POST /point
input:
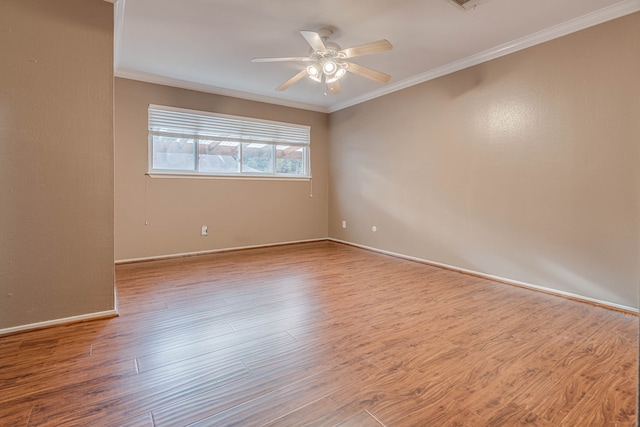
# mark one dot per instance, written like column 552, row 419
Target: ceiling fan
column 329, row 62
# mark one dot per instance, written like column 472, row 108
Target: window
column 200, row 143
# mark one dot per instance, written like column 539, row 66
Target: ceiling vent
column 466, row 4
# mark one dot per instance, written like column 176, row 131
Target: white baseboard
column 606, row 304
column 214, row 251
column 552, row 291
column 56, row 322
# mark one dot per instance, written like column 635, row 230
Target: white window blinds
column 197, row 142
column 168, row 121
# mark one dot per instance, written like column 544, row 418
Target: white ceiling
column 208, row 44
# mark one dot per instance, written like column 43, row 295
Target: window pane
column 290, row 160
column 185, row 141
column 173, row 153
column 257, row 158
column 219, row 157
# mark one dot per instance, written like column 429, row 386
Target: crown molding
column 603, row 15
column 183, row 84
column 618, row 10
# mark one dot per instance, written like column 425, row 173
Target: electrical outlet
column 344, row 224
column 204, row 231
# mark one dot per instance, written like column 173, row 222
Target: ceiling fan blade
column 292, row 80
column 290, row 59
column 368, row 73
column 314, row 40
column 366, row 49
column 334, row 88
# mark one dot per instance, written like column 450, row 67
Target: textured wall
column 526, row 167
column 238, row 212
column 56, row 159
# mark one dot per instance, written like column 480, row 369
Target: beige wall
column 56, row 160
column 238, row 212
column 526, row 167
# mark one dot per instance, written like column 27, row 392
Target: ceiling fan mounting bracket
column 325, row 32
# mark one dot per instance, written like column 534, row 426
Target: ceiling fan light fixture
column 314, row 72
column 337, row 75
column 329, row 67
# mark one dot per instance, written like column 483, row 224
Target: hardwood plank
column 129, row 345
column 574, row 376
column 128, row 397
column 323, row 334
column 217, row 349
column 46, row 379
column 268, row 372
column 363, row 419
column 322, row 412
column 611, row 402
column 144, row 420
column 218, row 400
column 274, row 405
column 16, row 414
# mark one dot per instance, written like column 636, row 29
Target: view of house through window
column 193, row 142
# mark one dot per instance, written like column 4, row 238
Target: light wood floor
column 323, row 334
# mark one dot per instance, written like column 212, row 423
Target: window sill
column 240, row 177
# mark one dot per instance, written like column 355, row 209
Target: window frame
column 192, row 133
